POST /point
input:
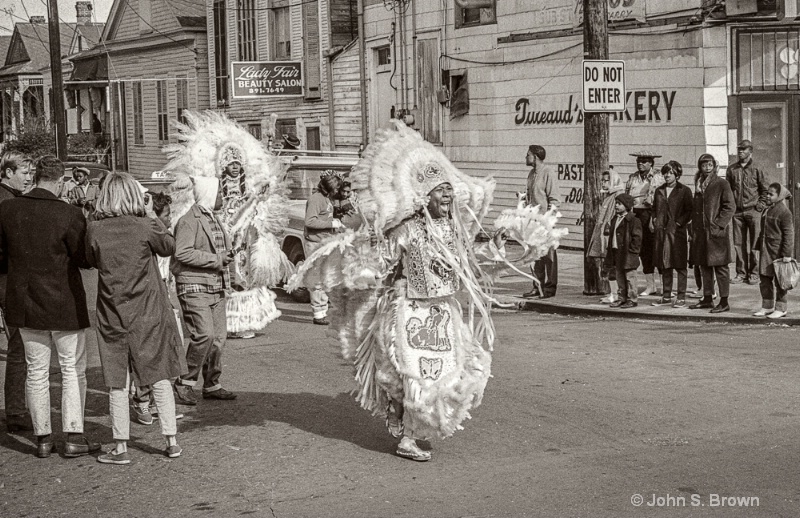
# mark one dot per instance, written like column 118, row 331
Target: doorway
column 772, row 124
column 382, row 96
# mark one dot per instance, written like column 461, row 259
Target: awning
column 91, row 69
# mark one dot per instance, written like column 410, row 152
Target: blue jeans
column 746, row 227
column 204, row 315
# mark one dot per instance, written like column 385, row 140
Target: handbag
column 787, row 274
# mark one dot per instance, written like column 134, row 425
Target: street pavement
column 744, row 299
column 582, row 415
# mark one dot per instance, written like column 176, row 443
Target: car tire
column 296, row 255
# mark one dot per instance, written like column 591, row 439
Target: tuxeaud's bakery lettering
column 640, row 106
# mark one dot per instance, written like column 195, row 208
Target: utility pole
column 59, row 119
column 595, row 143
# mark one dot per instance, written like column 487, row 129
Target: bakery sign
column 251, row 79
column 618, row 11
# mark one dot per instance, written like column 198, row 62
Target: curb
column 693, row 316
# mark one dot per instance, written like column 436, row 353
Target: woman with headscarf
column 610, row 185
column 712, row 213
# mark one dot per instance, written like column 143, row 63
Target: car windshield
column 302, row 183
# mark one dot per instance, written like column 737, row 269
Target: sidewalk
column 744, row 299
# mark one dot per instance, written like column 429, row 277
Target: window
column 285, row 127
column 138, row 125
column 459, row 98
column 313, row 139
column 246, row 27
column 766, row 60
column 144, row 14
column 221, row 53
column 182, row 95
column 254, row 128
column 162, row 111
column 281, row 31
column 384, row 55
column 472, row 17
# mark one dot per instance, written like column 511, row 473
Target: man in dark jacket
column 624, row 246
column 750, row 195
column 43, row 240
column 712, row 212
column 16, row 177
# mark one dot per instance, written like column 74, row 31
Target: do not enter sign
column 603, row 86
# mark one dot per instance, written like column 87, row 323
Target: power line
column 159, row 32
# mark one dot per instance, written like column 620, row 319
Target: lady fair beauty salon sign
column 266, row 79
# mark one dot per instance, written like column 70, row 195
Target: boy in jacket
column 624, row 246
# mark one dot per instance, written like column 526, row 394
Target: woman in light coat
column 138, row 335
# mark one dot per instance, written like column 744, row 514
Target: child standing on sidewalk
column 775, row 242
column 624, row 245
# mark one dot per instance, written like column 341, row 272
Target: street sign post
column 603, row 86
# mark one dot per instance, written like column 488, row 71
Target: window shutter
column 311, row 49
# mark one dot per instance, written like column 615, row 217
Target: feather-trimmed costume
column 395, row 310
column 254, row 209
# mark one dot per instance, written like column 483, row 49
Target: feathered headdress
column 208, row 142
column 398, row 170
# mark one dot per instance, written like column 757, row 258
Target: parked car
column 304, row 170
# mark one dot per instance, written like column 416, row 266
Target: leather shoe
column 19, row 423
column 719, row 308
column 44, row 449
column 530, row 294
column 617, row 303
column 77, row 449
column 702, row 305
column 628, row 304
column 184, row 394
column 321, row 321
column 222, row 394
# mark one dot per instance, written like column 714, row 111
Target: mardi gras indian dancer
column 254, row 208
column 420, row 362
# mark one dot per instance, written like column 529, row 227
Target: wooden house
column 157, row 66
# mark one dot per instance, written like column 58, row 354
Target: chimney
column 37, row 19
column 83, row 12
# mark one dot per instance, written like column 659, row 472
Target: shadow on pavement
column 337, row 417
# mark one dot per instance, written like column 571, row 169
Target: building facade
column 318, row 36
column 157, row 66
column 487, row 82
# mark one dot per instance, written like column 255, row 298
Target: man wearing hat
column 750, row 194
column 542, row 190
column 642, row 186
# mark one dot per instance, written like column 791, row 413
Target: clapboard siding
column 129, row 25
column 167, row 62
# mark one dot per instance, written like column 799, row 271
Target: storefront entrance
column 772, row 124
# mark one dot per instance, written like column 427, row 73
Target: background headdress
column 229, row 153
